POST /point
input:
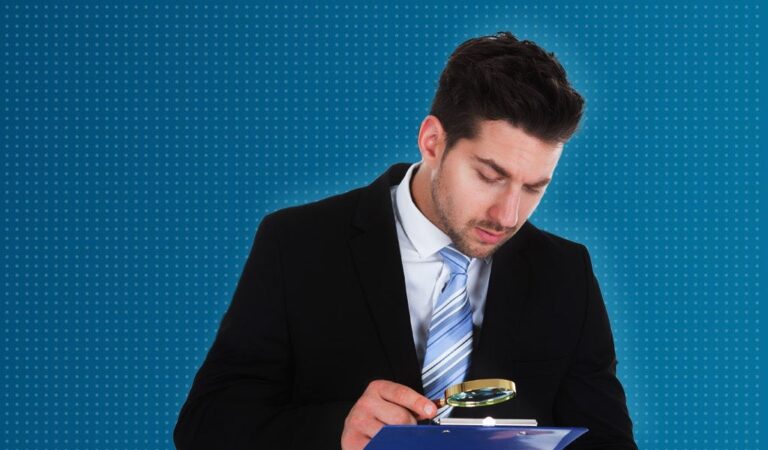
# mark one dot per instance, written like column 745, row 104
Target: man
column 356, row 311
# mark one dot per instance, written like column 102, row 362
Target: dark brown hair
column 500, row 77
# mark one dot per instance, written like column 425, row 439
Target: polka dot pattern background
column 142, row 144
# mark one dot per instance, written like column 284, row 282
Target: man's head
column 500, row 117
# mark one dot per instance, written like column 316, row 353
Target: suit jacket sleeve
column 242, row 397
column 591, row 395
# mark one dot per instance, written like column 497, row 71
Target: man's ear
column 431, row 140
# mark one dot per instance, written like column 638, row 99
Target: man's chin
column 481, row 250
column 470, row 243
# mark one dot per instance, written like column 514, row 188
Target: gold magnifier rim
column 486, row 383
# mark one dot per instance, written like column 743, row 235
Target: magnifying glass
column 474, row 393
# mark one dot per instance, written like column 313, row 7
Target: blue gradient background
column 142, row 144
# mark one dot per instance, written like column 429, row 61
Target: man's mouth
column 488, row 237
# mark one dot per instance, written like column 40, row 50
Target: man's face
column 483, row 190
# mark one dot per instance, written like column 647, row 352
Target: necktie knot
column 457, row 261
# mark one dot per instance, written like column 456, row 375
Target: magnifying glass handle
column 439, row 402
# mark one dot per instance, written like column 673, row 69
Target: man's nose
column 506, row 211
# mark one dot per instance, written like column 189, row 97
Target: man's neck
column 420, row 193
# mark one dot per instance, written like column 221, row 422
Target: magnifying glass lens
column 486, row 396
column 480, row 393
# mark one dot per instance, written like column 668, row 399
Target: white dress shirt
column 425, row 271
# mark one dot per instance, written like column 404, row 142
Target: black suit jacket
column 321, row 310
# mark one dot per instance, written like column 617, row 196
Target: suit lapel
column 377, row 259
column 505, row 306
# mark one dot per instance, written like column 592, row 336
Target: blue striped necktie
column 449, row 345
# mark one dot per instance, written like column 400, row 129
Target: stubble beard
column 459, row 237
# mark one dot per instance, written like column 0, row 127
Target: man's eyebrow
column 492, row 164
column 500, row 170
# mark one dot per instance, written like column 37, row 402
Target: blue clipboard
column 462, row 437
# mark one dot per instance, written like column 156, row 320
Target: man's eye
column 487, row 179
column 532, row 190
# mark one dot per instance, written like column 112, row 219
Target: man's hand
column 383, row 403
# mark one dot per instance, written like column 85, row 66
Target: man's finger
column 365, row 424
column 406, row 397
column 393, row 414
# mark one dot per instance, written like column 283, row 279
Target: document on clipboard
column 487, row 422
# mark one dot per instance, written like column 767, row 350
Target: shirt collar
column 424, row 236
